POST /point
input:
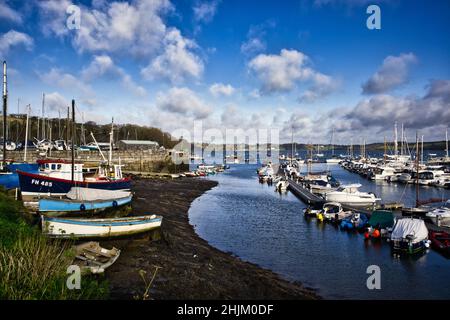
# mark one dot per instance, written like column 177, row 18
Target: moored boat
column 440, row 216
column 357, row 221
column 410, row 235
column 350, row 195
column 380, row 224
column 441, row 242
column 98, row 228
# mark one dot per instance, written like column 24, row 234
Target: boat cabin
column 60, row 169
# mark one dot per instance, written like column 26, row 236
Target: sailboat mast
column 5, row 107
column 332, row 141
column 72, row 147
column 417, row 170
column 401, row 142
column 385, row 147
column 292, row 144
column 111, row 142
column 395, row 140
column 446, row 143
column 43, row 116
column 26, row 134
column 421, row 152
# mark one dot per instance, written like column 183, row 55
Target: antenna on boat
column 5, row 107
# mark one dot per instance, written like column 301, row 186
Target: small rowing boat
column 92, row 258
column 98, row 228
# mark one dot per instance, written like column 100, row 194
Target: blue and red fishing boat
column 55, row 179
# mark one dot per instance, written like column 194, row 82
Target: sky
column 307, row 68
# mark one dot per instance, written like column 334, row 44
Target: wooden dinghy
column 98, row 228
column 92, row 258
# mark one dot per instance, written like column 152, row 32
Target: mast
column 292, row 144
column 395, row 140
column 72, row 148
column 384, row 157
column 421, row 152
column 401, row 142
column 26, row 134
column 43, row 116
column 417, row 170
column 67, row 131
column 5, row 108
column 332, row 145
column 17, row 122
column 111, row 136
column 446, row 143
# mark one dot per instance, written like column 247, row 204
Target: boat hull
column 62, row 206
column 35, row 186
column 98, row 228
column 10, row 179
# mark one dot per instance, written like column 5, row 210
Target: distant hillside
column 433, row 145
column 58, row 128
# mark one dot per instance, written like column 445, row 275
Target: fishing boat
column 55, row 179
column 82, row 200
column 98, row 228
column 92, row 258
column 410, row 235
column 440, row 216
column 8, row 176
column 380, row 224
column 441, row 242
column 350, row 195
column 357, row 221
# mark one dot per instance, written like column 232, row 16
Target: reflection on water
column 259, row 225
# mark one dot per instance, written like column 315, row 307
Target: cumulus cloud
column 103, row 65
column 393, row 72
column 183, row 101
column 177, row 62
column 281, row 73
column 8, row 13
column 220, row 89
column 55, row 101
column 430, row 110
column 255, row 42
column 14, row 38
column 205, row 11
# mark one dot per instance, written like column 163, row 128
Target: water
column 255, row 223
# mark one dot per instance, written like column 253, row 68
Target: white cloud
column 220, row 89
column 281, row 73
column 14, row 38
column 255, row 42
column 183, row 101
column 103, row 65
column 55, row 102
column 176, row 62
column 392, row 73
column 8, row 13
column 205, row 11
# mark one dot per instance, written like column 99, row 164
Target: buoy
column 376, row 233
column 366, row 235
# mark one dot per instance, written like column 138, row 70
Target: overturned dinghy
column 83, row 199
column 98, row 228
column 409, row 236
column 92, row 258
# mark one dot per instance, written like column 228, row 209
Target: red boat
column 441, row 242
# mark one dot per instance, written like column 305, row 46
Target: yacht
column 382, row 173
column 440, row 216
column 350, row 195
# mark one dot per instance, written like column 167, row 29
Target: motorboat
column 410, row 235
column 350, row 195
column 382, row 173
column 440, row 241
column 440, row 216
column 357, row 221
column 333, row 211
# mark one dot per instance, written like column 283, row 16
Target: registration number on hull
column 41, row 183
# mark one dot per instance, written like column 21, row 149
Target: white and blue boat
column 98, row 228
column 84, row 200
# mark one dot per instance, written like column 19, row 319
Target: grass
column 34, row 267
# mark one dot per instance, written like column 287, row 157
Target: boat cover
column 406, row 227
column 88, row 194
column 385, row 219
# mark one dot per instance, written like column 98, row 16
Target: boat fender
column 82, row 207
column 114, row 203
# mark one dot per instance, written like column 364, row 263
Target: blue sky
column 306, row 66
